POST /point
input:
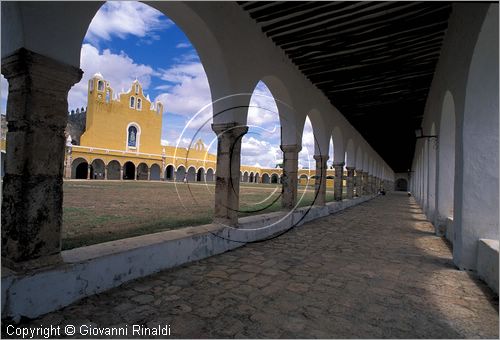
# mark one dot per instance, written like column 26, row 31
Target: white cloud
column 256, row 152
column 263, row 110
column 306, row 155
column 183, row 45
column 4, row 88
column 187, row 89
column 119, row 69
column 123, row 18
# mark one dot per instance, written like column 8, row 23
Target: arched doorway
column 169, row 173
column 155, row 172
column 401, row 184
column 97, row 169
column 129, row 171
column 181, row 173
column 274, row 178
column 266, row 179
column 251, row 178
column 245, row 176
column 210, row 175
column 114, row 170
column 191, row 174
column 200, row 175
column 257, row 177
column 142, row 172
column 79, row 168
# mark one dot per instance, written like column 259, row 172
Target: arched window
column 139, row 104
column 108, row 97
column 100, row 85
column 132, row 136
column 132, row 102
column 91, row 85
column 159, row 108
column 136, row 88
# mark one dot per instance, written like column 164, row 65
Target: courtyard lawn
column 100, row 211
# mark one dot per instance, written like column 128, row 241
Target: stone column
column 339, row 177
column 357, row 183
column 320, row 182
column 227, row 184
column 350, row 182
column 67, row 164
column 163, row 168
column 105, row 172
column 149, row 173
column 289, row 180
column 121, row 173
column 37, row 114
column 364, row 180
column 89, row 167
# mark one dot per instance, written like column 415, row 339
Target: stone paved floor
column 372, row 271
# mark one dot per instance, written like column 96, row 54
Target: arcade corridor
column 373, row 271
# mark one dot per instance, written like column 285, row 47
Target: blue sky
column 129, row 40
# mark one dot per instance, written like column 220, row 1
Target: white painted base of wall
column 93, row 269
column 487, row 262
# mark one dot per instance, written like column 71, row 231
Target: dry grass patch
column 100, row 211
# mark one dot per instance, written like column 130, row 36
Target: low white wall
column 487, row 262
column 93, row 269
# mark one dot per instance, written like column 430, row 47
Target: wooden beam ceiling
column 373, row 60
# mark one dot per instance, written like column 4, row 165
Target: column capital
column 291, row 148
column 233, row 128
column 321, row 158
column 54, row 74
column 350, row 168
column 338, row 164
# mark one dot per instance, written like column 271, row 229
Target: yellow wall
column 107, row 120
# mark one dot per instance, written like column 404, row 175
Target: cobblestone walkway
column 372, row 271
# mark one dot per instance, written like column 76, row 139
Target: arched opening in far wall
column 155, row 172
column 129, row 171
column 200, row 175
column 266, row 179
column 79, row 168
column 97, row 169
column 142, row 172
column 210, row 175
column 401, row 185
column 169, row 173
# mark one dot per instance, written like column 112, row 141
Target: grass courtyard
column 100, row 211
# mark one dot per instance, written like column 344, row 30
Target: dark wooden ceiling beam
column 330, row 7
column 399, row 66
column 315, row 53
column 365, row 23
column 412, row 51
column 376, row 28
column 318, row 16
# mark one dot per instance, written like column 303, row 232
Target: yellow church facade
column 122, row 141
